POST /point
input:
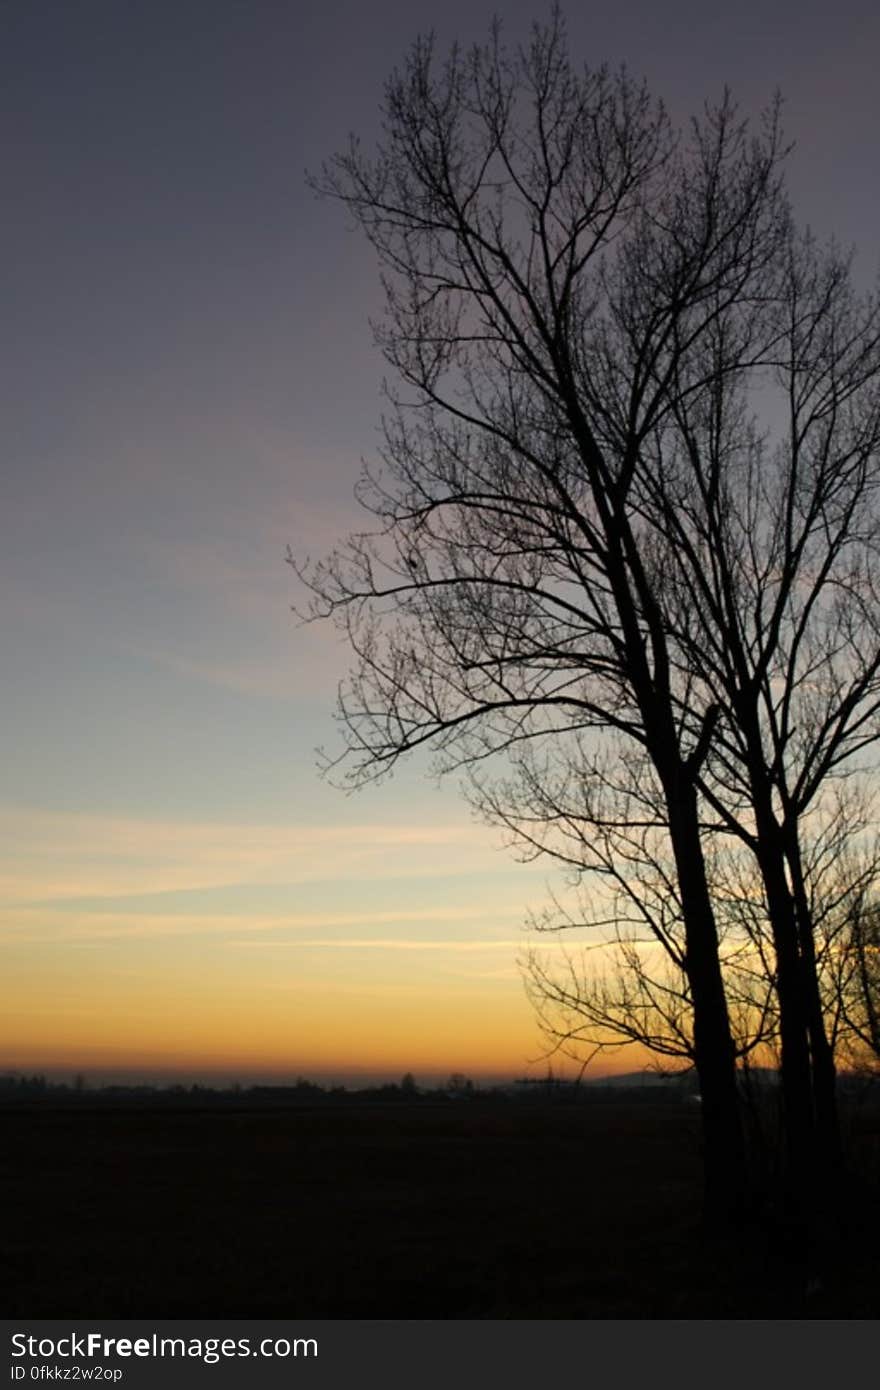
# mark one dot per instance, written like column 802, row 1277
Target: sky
column 188, row 385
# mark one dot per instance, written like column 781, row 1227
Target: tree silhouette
column 772, row 599
column 588, row 583
column 862, row 1011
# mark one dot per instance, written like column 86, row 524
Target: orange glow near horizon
column 151, row 1026
column 200, row 950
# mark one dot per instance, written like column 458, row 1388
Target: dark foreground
column 470, row 1210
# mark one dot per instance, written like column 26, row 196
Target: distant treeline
column 631, row 1088
column 35, row 1089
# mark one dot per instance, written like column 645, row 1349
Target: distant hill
column 627, row 1079
column 616, row 1081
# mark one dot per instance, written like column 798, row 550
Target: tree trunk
column 724, row 1160
column 796, row 1072
column 824, row 1071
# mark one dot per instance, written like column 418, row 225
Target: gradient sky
column 188, row 383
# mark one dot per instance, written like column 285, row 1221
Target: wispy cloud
column 384, row 944
column 34, row 924
column 52, row 855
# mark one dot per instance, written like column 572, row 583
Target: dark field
column 471, row 1210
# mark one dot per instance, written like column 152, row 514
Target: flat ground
column 464, row 1210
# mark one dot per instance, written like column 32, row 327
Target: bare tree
column 576, row 549
column 772, row 603
column 861, row 994
column 841, row 872
column 504, row 596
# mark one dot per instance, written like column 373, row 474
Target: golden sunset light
column 440, row 671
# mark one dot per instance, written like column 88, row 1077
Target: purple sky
column 188, row 378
